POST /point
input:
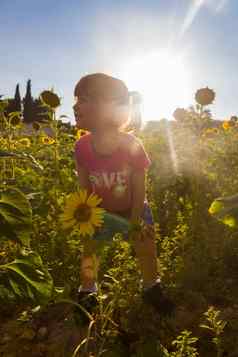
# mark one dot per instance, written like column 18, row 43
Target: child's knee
column 146, row 234
column 89, row 266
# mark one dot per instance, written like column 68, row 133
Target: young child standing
column 113, row 164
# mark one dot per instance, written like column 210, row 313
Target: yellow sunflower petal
column 70, row 207
column 97, row 215
column 82, row 196
column 93, row 200
column 96, row 220
column 74, row 199
column 86, row 228
column 68, row 222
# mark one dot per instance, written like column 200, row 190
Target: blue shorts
column 147, row 215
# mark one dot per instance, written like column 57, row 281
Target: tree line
column 31, row 108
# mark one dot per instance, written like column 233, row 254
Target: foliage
column 226, row 210
column 15, row 215
column 216, row 326
column 184, row 346
column 26, row 278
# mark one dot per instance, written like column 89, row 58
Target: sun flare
column 163, row 81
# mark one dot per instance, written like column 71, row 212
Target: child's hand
column 142, row 232
column 147, row 232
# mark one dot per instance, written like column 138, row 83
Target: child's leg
column 146, row 253
column 88, row 272
column 145, row 249
column 85, row 298
column 89, row 267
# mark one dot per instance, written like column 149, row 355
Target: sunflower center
column 82, row 213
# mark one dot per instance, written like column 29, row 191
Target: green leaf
column 15, row 287
column 5, row 154
column 12, row 214
column 5, row 294
column 15, row 215
column 27, row 276
column 225, row 209
column 215, row 207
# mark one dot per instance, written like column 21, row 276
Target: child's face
column 84, row 113
column 91, row 114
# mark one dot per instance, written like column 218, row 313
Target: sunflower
column 24, row 142
column 179, row 114
column 50, row 98
column 15, row 121
column 80, row 133
column 226, row 125
column 205, row 96
column 47, row 140
column 81, row 212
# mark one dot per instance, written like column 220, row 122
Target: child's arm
column 138, row 194
column 84, row 178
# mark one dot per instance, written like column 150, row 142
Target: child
column 112, row 164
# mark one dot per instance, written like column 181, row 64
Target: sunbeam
column 214, row 5
column 173, row 154
column 191, row 14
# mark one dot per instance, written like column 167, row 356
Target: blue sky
column 54, row 43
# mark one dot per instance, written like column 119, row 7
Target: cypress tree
column 28, row 112
column 17, row 99
column 14, row 104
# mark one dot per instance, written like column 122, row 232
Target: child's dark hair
column 100, row 85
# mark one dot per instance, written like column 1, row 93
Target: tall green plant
column 25, row 277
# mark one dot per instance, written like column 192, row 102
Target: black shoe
column 88, row 301
column 155, row 296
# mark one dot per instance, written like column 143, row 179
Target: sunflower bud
column 47, row 140
column 15, row 121
column 234, row 119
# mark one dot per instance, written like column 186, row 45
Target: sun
column 162, row 79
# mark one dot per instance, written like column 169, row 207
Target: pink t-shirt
column 110, row 175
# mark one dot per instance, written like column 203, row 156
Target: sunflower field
column 192, row 188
